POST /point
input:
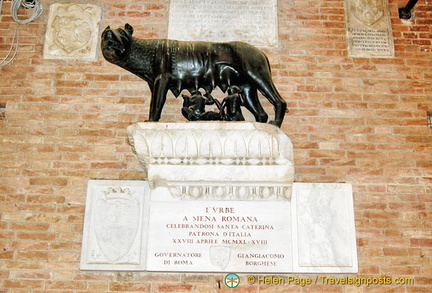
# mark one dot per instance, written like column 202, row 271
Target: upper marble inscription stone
column 254, row 22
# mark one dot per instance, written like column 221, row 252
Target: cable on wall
column 36, row 5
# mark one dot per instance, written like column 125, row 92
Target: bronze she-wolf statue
column 176, row 65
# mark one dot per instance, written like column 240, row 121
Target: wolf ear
column 129, row 28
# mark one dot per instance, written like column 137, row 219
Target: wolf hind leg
column 268, row 89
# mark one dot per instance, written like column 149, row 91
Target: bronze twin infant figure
column 170, row 65
column 229, row 110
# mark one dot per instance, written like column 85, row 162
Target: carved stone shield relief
column 72, row 31
column 367, row 11
column 220, row 256
column 114, row 226
column 117, row 220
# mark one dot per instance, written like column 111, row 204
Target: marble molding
column 242, row 160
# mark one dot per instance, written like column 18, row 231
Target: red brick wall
column 356, row 120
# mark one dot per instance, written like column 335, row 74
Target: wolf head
column 115, row 43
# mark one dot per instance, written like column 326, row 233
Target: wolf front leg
column 159, row 92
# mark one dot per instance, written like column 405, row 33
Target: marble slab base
column 130, row 227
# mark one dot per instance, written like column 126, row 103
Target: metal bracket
column 2, row 111
column 429, row 118
column 405, row 12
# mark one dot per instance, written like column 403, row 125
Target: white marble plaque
column 129, row 227
column 254, row 22
column 219, row 236
column 323, row 228
column 369, row 32
column 72, row 31
column 115, row 225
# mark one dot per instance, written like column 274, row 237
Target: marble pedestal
column 220, row 197
column 216, row 160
